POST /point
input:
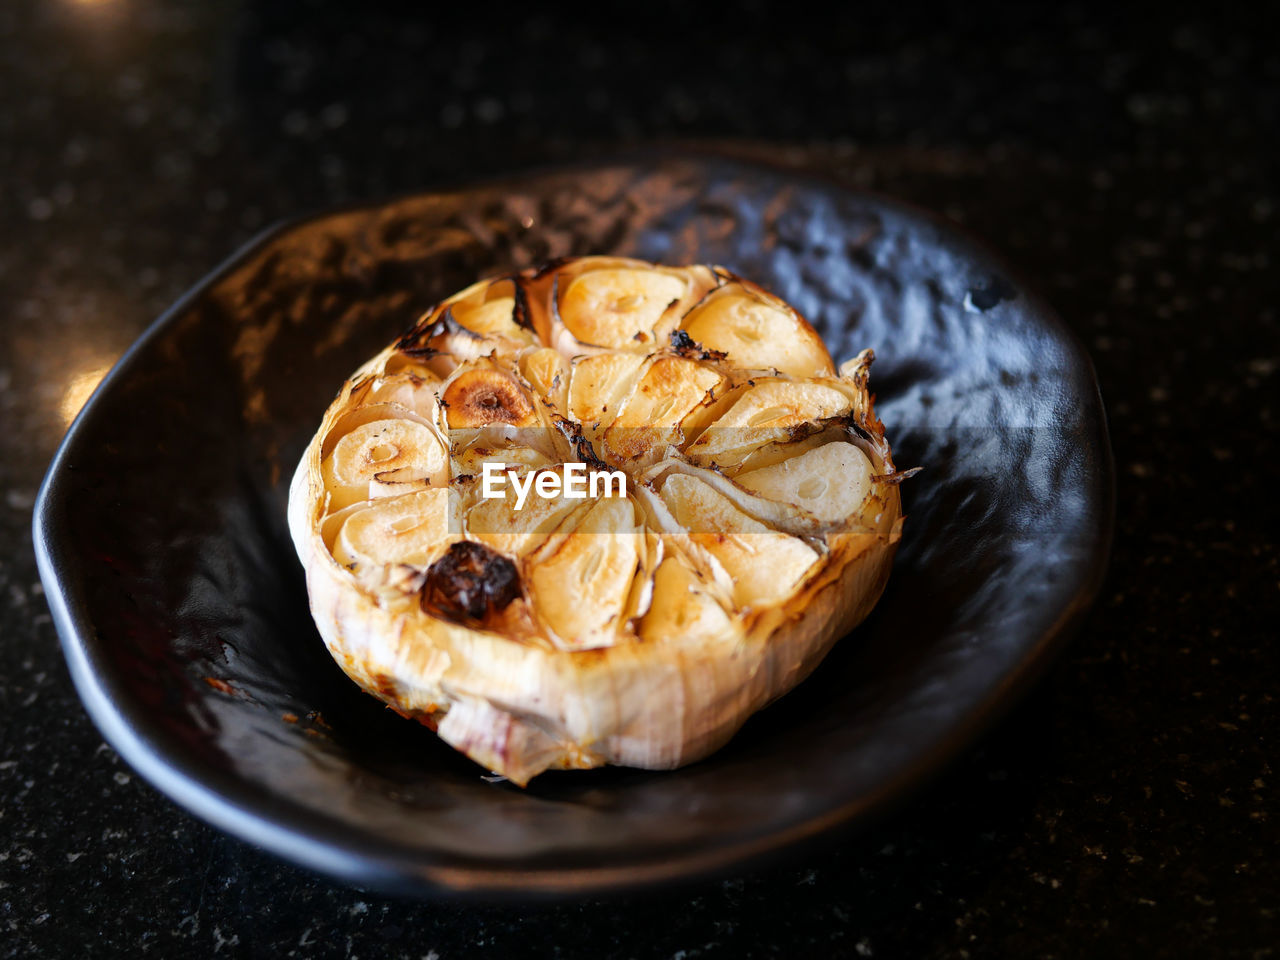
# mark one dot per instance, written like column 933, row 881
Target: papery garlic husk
column 757, row 526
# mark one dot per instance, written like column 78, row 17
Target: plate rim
column 316, row 841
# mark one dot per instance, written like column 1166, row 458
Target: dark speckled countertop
column 1130, row 170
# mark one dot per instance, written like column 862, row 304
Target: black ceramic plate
column 162, row 543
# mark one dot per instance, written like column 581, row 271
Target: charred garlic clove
column 480, row 396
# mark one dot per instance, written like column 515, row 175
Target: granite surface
column 1129, row 169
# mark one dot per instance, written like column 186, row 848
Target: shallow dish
column 160, row 532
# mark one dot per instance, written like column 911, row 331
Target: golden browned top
column 747, row 459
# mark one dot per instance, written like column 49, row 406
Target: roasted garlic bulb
column 596, row 513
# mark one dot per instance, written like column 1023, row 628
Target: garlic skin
column 758, row 525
